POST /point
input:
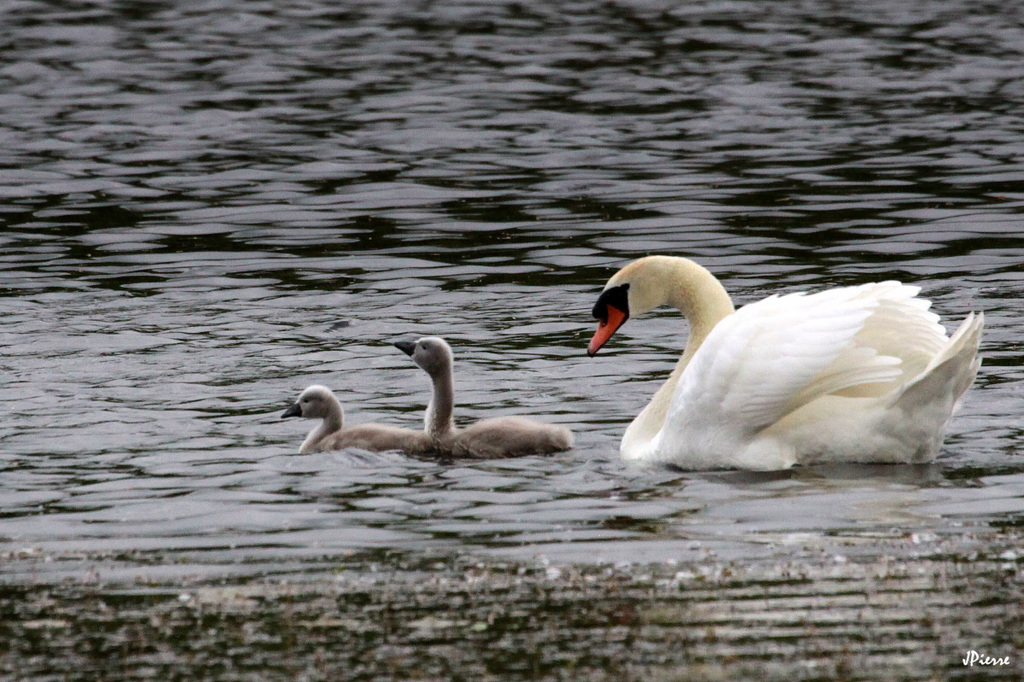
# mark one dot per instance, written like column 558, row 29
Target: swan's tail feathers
column 967, row 336
column 952, row 371
column 967, row 340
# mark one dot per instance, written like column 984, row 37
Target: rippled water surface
column 208, row 206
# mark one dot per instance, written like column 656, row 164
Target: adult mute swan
column 488, row 438
column 853, row 374
column 319, row 402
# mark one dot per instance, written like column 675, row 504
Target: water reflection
column 208, row 207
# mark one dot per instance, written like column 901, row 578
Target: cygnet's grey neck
column 335, row 417
column 332, row 423
column 438, row 420
column 324, row 429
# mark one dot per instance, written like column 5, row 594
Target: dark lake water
column 207, row 206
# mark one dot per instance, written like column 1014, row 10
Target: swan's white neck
column 331, row 423
column 700, row 297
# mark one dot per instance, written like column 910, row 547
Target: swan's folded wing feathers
column 772, row 356
column 904, row 329
column 857, row 372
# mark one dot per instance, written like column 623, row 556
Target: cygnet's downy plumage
column 318, row 402
column 489, row 438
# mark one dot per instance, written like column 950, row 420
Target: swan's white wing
column 901, row 326
column 775, row 355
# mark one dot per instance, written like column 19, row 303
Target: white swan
column 488, row 438
column 319, row 402
column 854, row 374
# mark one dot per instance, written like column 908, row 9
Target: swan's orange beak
column 605, row 328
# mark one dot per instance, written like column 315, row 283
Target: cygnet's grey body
column 318, row 402
column 489, row 438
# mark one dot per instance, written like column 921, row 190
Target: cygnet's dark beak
column 406, row 347
column 293, row 411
